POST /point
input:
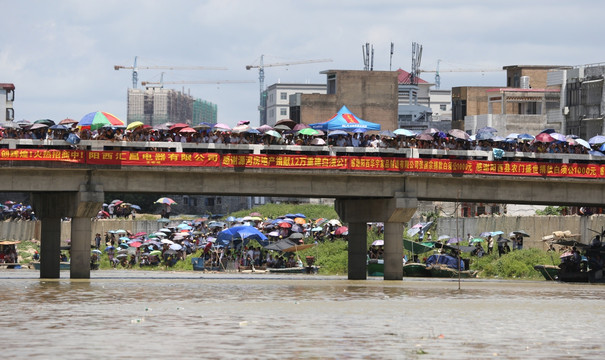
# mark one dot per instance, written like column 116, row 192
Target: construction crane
column 438, row 77
column 196, row 82
column 135, row 69
column 261, row 74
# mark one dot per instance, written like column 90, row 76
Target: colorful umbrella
column 98, row 119
column 165, row 200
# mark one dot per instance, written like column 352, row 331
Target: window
column 185, row 200
column 442, row 107
column 283, row 96
column 283, row 111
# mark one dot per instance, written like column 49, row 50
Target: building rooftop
column 7, row 86
column 403, row 77
column 522, row 90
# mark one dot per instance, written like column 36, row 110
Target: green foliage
column 272, row 211
column 331, row 256
column 516, row 264
column 551, row 210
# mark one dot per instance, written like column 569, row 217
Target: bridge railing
column 100, row 145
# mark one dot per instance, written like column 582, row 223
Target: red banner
column 352, row 163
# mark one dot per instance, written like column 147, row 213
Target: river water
column 189, row 315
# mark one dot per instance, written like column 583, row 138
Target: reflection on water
column 122, row 314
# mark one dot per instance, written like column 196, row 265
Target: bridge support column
column 393, row 212
column 50, row 247
column 358, row 251
column 393, row 250
column 81, row 206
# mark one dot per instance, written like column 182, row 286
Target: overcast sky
column 61, row 54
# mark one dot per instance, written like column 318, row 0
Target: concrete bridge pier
column 393, row 212
column 81, row 206
column 50, row 247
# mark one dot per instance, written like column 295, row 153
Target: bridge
column 369, row 185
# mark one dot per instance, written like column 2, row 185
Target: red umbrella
column 285, row 224
column 545, row 138
column 341, row 230
column 178, row 126
column 135, row 244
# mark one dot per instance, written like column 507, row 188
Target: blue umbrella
column 404, row 132
column 487, row 129
column 525, row 137
column 109, row 248
column 337, row 132
column 484, row 136
column 136, row 207
column 599, row 139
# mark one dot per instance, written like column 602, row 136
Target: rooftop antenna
column 372, row 60
column 416, row 59
column 391, row 57
column 367, row 51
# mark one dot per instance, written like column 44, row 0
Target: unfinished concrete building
column 156, row 105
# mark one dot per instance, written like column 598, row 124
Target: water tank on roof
column 524, row 82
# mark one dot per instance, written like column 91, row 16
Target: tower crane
column 196, row 82
column 135, row 69
column 438, row 77
column 261, row 74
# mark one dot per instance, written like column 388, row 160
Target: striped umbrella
column 98, row 119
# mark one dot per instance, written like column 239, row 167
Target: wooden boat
column 295, row 270
column 443, row 271
column 416, row 270
column 550, row 272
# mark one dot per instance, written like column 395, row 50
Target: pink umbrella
column 298, row 127
column 135, row 244
column 264, row 128
column 544, row 137
column 341, row 230
column 221, row 126
column 187, row 130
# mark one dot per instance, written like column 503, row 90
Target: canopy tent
column 415, row 247
column 345, row 120
column 240, row 233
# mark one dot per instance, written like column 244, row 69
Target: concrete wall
column 536, row 226
column 19, row 230
column 370, row 95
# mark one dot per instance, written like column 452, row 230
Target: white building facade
column 7, row 96
column 278, row 99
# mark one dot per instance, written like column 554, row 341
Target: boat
column 444, row 271
column 582, row 264
column 550, row 272
column 416, row 270
column 375, row 267
column 447, row 266
column 295, row 270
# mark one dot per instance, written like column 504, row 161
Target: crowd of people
column 300, row 134
column 172, row 244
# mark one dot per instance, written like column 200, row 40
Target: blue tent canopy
column 347, row 121
column 241, row 233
